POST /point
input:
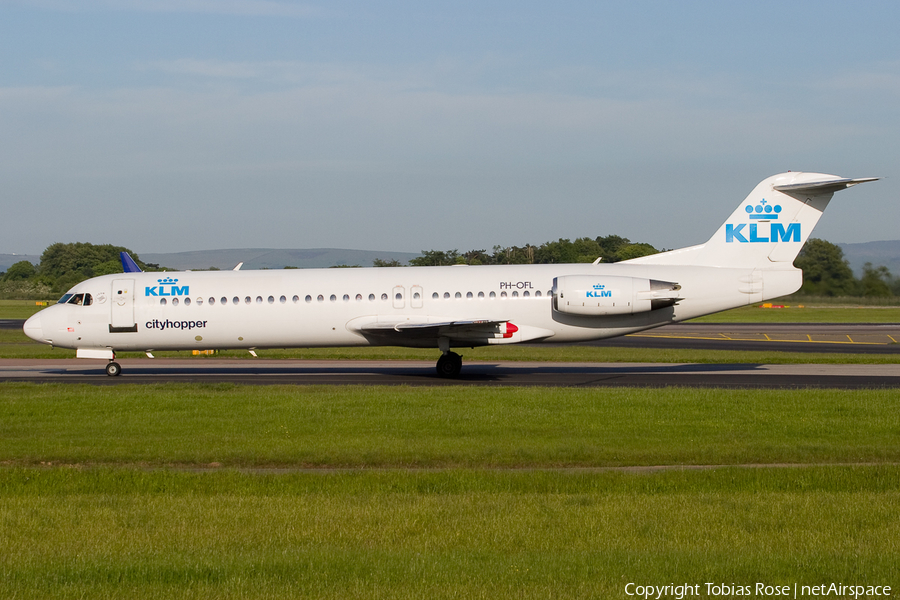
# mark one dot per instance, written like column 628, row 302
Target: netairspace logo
column 167, row 287
column 759, row 590
column 757, row 232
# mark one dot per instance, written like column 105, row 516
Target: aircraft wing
column 426, row 332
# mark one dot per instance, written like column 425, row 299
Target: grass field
column 202, row 491
column 224, row 491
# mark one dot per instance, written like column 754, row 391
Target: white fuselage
column 332, row 307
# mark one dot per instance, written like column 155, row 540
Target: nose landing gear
column 113, row 369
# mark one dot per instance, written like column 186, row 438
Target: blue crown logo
column 763, row 210
column 167, row 281
column 598, row 286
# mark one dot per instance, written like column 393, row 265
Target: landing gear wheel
column 449, row 365
column 113, row 369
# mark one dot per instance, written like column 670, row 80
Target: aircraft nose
column 34, row 329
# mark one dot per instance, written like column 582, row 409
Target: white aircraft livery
column 749, row 259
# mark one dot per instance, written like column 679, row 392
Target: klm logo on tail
column 763, row 213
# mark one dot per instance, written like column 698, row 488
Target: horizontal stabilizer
column 822, row 187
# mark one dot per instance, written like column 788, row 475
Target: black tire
column 449, row 365
column 113, row 369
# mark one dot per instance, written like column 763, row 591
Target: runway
column 422, row 373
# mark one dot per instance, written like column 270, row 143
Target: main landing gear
column 113, row 369
column 449, row 365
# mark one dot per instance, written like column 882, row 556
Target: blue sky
column 174, row 125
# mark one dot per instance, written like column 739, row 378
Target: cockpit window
column 64, row 299
column 79, row 299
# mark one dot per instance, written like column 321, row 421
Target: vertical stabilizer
column 768, row 229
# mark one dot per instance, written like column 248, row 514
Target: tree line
column 825, row 270
column 61, row 267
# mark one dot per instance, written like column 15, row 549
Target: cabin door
column 122, row 306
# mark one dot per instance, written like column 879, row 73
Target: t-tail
column 768, row 229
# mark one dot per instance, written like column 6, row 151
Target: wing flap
column 427, row 332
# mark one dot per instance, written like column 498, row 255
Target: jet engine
column 600, row 295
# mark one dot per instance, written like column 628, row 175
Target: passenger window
column 212, row 301
column 235, row 300
column 416, row 296
column 359, row 297
column 446, row 295
column 333, row 298
column 515, row 294
column 247, row 300
column 384, row 296
column 537, row 294
column 526, row 294
column 435, row 296
column 296, row 299
column 259, row 299
column 162, row 301
column 481, row 294
column 493, row 294
column 398, row 296
column 308, row 298
column 320, row 298
column 346, row 297
column 174, row 301
column 283, row 300
column 457, row 295
column 469, row 295
column 271, row 299
column 187, row 301
column 371, row 297
column 503, row 294
column 199, row 301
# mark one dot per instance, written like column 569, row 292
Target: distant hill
column 886, row 253
column 8, row 260
column 269, row 258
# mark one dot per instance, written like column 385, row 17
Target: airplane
column 749, row 259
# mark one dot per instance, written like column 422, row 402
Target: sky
column 177, row 125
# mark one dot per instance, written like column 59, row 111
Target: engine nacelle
column 599, row 295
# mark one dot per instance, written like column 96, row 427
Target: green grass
column 460, row 534
column 322, row 427
column 202, row 491
column 19, row 309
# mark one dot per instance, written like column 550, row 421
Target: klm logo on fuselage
column 599, row 292
column 167, row 287
column 759, row 232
